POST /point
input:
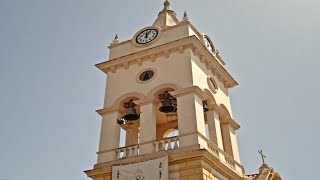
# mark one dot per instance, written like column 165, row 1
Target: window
column 146, row 75
column 212, row 84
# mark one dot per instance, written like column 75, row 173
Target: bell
column 167, row 106
column 131, row 114
column 205, row 106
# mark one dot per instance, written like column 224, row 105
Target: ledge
column 192, row 43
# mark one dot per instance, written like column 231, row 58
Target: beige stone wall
column 169, row 70
column 200, row 73
column 194, row 170
column 169, row 35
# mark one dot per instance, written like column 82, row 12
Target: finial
column 116, row 40
column 262, row 156
column 185, row 16
column 166, row 6
column 166, row 3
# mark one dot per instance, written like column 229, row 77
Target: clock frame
column 146, row 36
column 209, row 45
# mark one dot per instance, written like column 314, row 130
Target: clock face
column 209, row 45
column 147, row 36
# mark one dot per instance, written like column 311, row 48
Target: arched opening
column 129, row 121
column 171, row 133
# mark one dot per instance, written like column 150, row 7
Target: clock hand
column 148, row 32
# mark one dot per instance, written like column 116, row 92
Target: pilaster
column 230, row 141
column 190, row 116
column 214, row 128
column 148, row 125
column 132, row 131
column 109, row 136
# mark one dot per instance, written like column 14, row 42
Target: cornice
column 190, row 90
column 232, row 122
column 105, row 111
column 145, row 101
column 223, row 116
column 192, row 43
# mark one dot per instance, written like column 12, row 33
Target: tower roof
column 167, row 17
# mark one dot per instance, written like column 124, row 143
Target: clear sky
column 50, row 89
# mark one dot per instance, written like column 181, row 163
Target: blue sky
column 50, row 88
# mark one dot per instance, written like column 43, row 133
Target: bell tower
column 167, row 98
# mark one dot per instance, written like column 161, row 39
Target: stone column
column 214, row 128
column 109, row 136
column 148, row 125
column 132, row 130
column 230, row 141
column 191, row 123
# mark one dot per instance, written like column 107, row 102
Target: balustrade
column 223, row 156
column 162, row 145
column 173, row 143
column 166, row 144
column 127, row 152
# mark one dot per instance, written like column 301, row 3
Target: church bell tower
column 167, row 100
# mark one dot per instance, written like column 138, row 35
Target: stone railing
column 127, row 152
column 166, row 144
column 161, row 145
column 223, row 156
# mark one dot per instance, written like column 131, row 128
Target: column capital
column 216, row 108
column 190, row 90
column 145, row 101
column 232, row 122
column 110, row 110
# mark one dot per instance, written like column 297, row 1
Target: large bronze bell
column 167, row 103
column 131, row 114
column 167, row 106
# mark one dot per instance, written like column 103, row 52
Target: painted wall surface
column 200, row 74
column 166, row 36
column 173, row 70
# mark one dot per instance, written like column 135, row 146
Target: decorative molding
column 224, row 117
column 165, row 50
column 106, row 111
column 190, row 90
column 232, row 122
column 145, row 101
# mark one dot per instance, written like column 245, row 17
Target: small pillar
column 109, row 136
column 214, row 128
column 191, row 123
column 132, row 130
column 230, row 141
column 148, row 125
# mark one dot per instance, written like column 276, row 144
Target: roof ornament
column 166, row 3
column 262, row 156
column 185, row 16
column 166, row 6
column 116, row 40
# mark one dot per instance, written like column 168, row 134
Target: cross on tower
column 262, row 156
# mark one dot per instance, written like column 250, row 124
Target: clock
column 146, row 36
column 209, row 45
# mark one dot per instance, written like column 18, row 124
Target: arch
column 127, row 97
column 160, row 89
column 211, row 99
column 226, row 113
column 169, row 131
